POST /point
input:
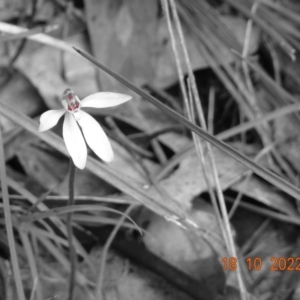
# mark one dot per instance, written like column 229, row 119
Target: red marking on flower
column 73, row 106
column 70, row 97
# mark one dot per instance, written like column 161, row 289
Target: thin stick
column 70, row 231
column 8, row 224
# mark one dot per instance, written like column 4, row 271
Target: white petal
column 104, row 99
column 77, row 115
column 50, row 118
column 96, row 137
column 64, row 104
column 74, row 141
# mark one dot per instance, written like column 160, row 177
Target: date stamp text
column 256, row 263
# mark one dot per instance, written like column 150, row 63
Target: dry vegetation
column 202, row 198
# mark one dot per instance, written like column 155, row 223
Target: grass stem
column 9, row 225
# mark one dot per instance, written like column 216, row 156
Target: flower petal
column 50, row 118
column 74, row 141
column 104, row 99
column 96, row 137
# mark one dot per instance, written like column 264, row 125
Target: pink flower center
column 73, row 103
column 72, row 106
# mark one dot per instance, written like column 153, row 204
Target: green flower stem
column 8, row 224
column 72, row 251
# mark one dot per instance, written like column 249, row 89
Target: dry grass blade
column 64, row 210
column 289, row 109
column 189, row 104
column 78, row 199
column 59, row 241
column 206, row 44
column 259, row 170
column 92, row 220
column 40, row 37
column 35, row 283
column 210, row 19
column 105, row 251
column 31, row 259
column 289, row 14
column 267, row 212
column 114, row 177
column 194, row 95
column 9, row 225
column 58, row 255
column 273, row 33
column 25, row 34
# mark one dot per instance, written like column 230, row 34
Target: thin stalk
column 72, row 251
column 8, row 224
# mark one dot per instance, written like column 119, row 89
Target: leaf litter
column 122, row 37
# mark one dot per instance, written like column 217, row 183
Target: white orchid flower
column 92, row 131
